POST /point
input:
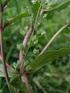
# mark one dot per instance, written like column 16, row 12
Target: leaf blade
column 48, row 56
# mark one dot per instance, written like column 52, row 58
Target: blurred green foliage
column 50, row 72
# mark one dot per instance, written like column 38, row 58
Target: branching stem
column 2, row 46
column 23, row 72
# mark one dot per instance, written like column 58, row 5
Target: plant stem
column 23, row 72
column 36, row 19
column 3, row 5
column 54, row 37
column 2, row 46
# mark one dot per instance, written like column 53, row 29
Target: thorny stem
column 2, row 45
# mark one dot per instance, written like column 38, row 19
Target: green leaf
column 10, row 70
column 18, row 85
column 60, row 6
column 35, row 8
column 1, row 71
column 12, row 89
column 47, row 56
column 57, row 7
column 14, row 19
